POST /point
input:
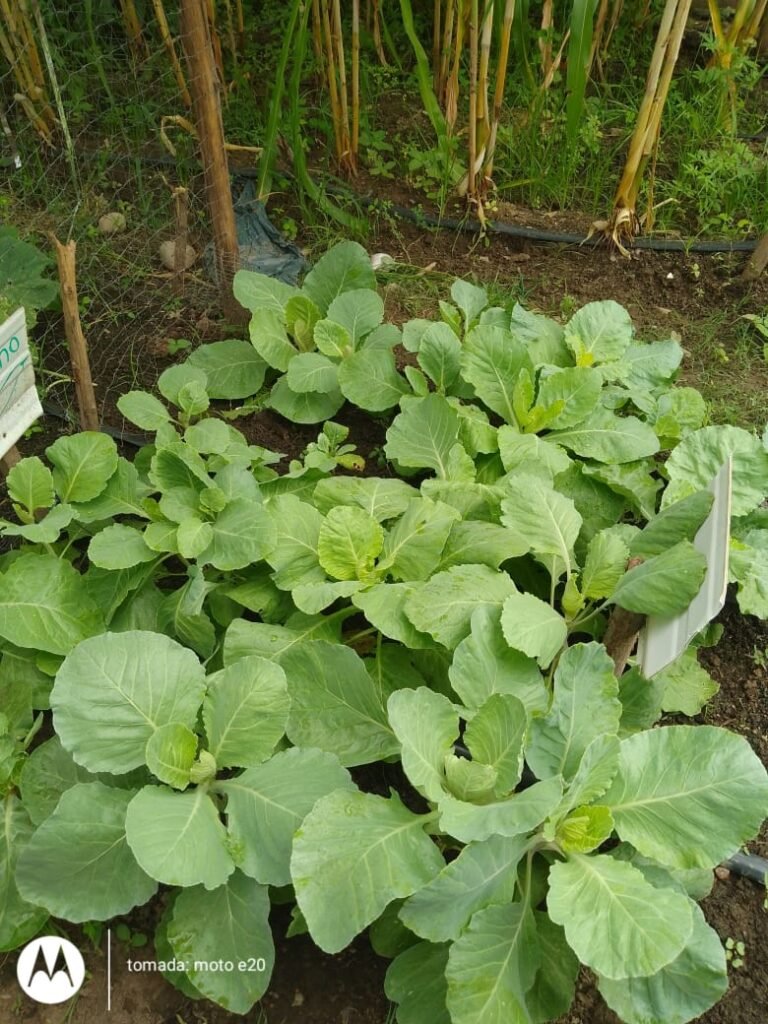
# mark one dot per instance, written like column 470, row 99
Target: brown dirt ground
column 309, row 987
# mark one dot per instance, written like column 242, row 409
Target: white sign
column 663, row 640
column 19, row 404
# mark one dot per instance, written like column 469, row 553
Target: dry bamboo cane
column 486, row 36
column 203, row 78
column 240, row 23
column 136, row 40
column 545, row 41
column 753, row 26
column 73, row 330
column 597, row 38
column 34, row 118
column 377, row 42
column 452, row 82
column 437, row 20
column 501, row 79
column 445, row 53
column 338, row 39
column 317, row 36
column 30, row 47
column 331, row 78
column 618, row 7
column 215, row 41
column 165, row 34
column 52, row 77
column 556, row 62
column 473, row 69
column 16, row 59
column 355, row 140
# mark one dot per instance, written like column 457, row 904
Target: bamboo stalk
column 501, row 78
column 597, row 36
column 338, row 40
column 34, row 118
column 16, row 60
column 132, row 23
column 73, row 330
column 545, row 40
column 618, row 7
column 331, row 79
column 473, row 71
column 30, row 46
column 213, row 33
column 437, row 18
column 168, row 43
column 377, row 42
column 355, row 81
column 56, row 94
column 317, row 36
column 445, row 53
column 753, row 27
column 240, row 23
column 452, row 82
column 196, row 40
column 555, row 65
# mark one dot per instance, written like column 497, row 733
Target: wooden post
column 78, row 350
column 622, row 631
column 9, row 460
column 206, row 107
column 181, row 206
column 757, row 261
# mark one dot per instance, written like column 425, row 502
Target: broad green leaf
column 347, row 829
column 294, row 553
column 344, row 268
column 615, row 921
column 413, row 546
column 645, row 367
column 242, row 535
column 599, row 332
column 683, row 990
column 30, row 484
column 553, row 990
column 585, row 705
column 665, row 584
column 193, row 537
column 632, row 480
column 577, row 388
column 369, row 379
column 687, row 686
column 381, row 498
column 605, row 564
column 143, row 409
column 440, row 356
column 123, row 496
column 688, row 796
column 332, row 339
column 470, row 781
column 44, row 605
column 304, row 407
column 267, row 803
column 516, row 815
column 349, row 543
column 546, row 519
column 19, row 920
column 533, row 627
column 208, row 436
column 598, row 505
column 233, row 368
column 334, row 704
column 230, row 924
column 359, row 312
column 484, row 664
column 641, row 701
column 270, row 339
column 384, row 607
column 47, row 773
column 119, row 547
column 470, row 299
column 46, row 531
column 491, row 361
column 530, row 454
column 423, row 435
column 496, row 737
column 486, row 543
column 178, row 465
column 243, row 639
column 78, row 864
column 749, row 567
column 492, row 966
column 699, row 457
column 674, row 523
column 443, row 606
column 415, row 980
column 597, row 770
column 312, row 371
column 316, row 597
column 543, row 337
column 482, row 875
column 426, row 726
column 82, row 464
column 678, row 413
column 609, row 438
column 258, row 291
column 301, row 315
column 114, row 690
column 245, row 711
column 178, row 838
column 170, row 753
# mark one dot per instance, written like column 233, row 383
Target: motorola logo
column 50, row 969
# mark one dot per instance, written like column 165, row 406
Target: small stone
column 298, row 998
column 112, row 223
column 379, row 260
column 167, row 253
column 723, row 874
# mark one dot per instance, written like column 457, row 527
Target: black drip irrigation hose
column 423, row 219
column 125, row 436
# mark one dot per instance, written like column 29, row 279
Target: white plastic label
column 19, row 403
column 663, row 640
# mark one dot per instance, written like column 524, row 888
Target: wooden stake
column 181, row 206
column 757, row 261
column 9, row 460
column 206, row 107
column 78, row 350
